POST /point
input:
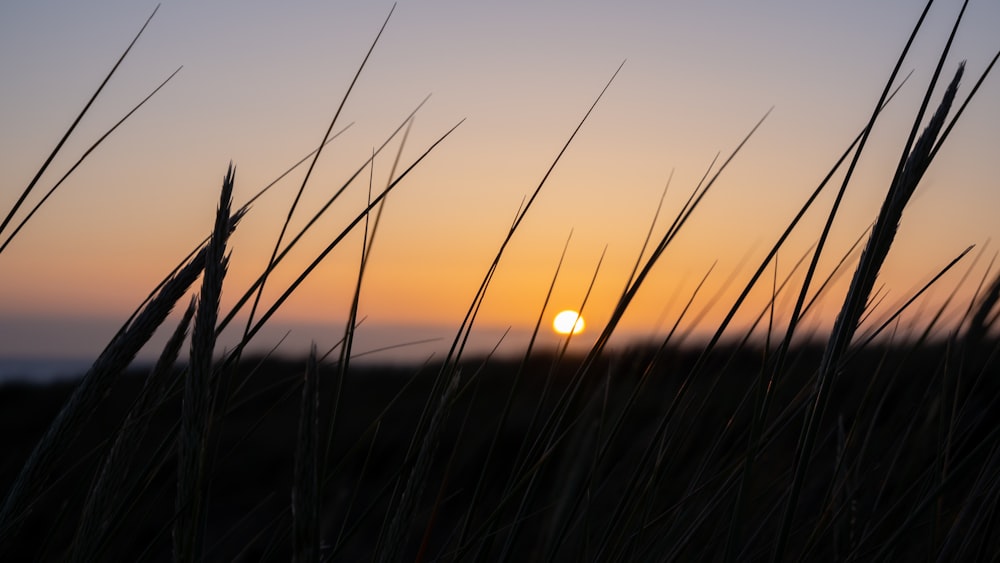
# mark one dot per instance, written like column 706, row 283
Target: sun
column 568, row 322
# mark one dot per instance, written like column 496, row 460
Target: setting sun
column 568, row 322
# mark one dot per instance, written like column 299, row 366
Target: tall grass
column 842, row 447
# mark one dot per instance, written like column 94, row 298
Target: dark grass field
column 252, row 458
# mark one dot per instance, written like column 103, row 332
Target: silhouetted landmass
column 896, row 395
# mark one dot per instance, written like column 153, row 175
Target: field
column 760, row 442
column 877, row 459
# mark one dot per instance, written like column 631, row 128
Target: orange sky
column 261, row 81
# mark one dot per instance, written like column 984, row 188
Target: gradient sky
column 261, row 81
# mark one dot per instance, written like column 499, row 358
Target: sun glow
column 568, row 322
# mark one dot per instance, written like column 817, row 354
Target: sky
column 261, row 81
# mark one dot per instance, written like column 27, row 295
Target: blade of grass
column 305, row 180
column 306, row 485
column 72, row 127
column 80, row 160
column 505, row 413
column 316, row 216
column 329, row 248
column 466, row 326
column 367, row 241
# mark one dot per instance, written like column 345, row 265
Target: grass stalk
column 872, row 258
column 306, row 491
column 199, row 392
column 305, row 180
column 80, row 161
column 45, row 165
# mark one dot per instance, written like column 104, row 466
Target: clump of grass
column 93, row 387
column 115, row 483
column 872, row 258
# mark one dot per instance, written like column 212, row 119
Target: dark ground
column 252, row 456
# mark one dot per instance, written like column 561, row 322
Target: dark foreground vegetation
column 905, row 464
column 843, row 450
